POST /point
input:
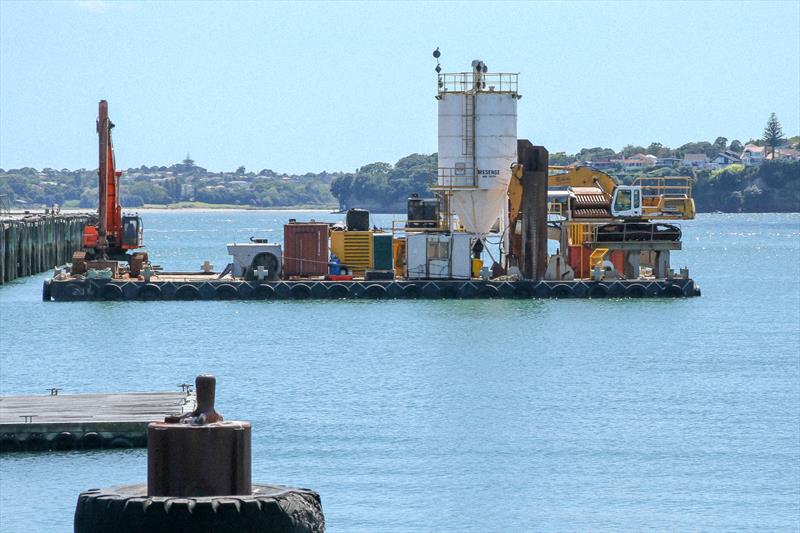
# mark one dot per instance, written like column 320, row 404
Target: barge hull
column 93, row 289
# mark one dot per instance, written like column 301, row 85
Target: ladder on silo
column 469, row 124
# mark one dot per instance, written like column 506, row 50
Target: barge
column 502, row 223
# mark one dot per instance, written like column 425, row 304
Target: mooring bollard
column 199, row 479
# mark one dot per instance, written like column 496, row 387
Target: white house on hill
column 723, row 159
column 752, row 155
column 695, row 160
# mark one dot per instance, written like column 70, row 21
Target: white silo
column 477, row 143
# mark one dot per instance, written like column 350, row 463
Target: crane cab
column 627, row 201
column 131, row 232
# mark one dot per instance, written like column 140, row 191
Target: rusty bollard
column 199, row 454
column 199, row 479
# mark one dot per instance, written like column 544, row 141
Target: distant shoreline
column 205, row 206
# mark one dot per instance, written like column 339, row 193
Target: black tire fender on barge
column 301, row 292
column 374, row 292
column 523, row 292
column 412, row 292
column 488, row 291
column 149, row 292
column 226, row 292
column 450, row 292
column 337, row 292
column 562, row 291
column 263, row 292
column 598, row 291
column 187, row 292
column 636, row 291
column 111, row 292
column 673, row 291
column 128, row 509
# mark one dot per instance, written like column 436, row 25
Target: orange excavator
column 110, row 235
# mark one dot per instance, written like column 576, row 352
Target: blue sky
column 304, row 87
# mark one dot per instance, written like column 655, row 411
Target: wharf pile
column 33, row 243
column 84, row 421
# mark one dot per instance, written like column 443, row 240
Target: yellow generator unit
column 354, row 249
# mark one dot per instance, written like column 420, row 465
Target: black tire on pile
column 128, row 509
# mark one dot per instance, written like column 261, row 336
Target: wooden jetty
column 35, row 242
column 82, row 421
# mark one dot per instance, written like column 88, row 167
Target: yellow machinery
column 663, row 197
column 354, row 249
column 587, row 209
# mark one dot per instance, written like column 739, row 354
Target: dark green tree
column 736, row 146
column 630, row 150
column 773, row 134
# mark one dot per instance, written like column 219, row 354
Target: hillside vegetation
column 773, row 186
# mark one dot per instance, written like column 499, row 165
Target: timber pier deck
column 84, row 421
column 209, row 287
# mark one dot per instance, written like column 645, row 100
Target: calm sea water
column 453, row 415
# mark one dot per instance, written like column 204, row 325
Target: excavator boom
column 110, row 210
column 113, row 234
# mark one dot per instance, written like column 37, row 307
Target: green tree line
column 383, row 187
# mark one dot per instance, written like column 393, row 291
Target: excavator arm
column 560, row 177
column 113, row 234
column 110, row 211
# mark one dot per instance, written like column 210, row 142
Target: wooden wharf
column 31, row 243
column 56, row 421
